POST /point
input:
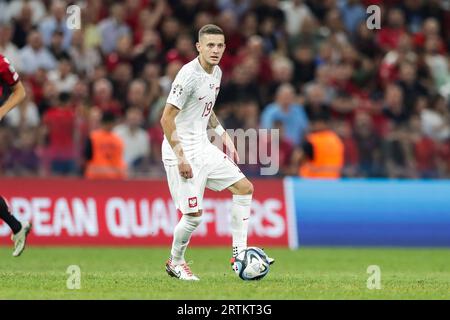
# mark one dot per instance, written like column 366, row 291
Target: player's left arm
column 226, row 139
column 16, row 97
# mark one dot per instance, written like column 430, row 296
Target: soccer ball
column 251, row 264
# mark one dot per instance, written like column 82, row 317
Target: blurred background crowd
column 384, row 92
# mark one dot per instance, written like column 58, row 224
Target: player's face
column 211, row 48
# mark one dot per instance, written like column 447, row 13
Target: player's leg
column 176, row 266
column 225, row 174
column 187, row 195
column 228, row 176
column 240, row 212
column 20, row 231
column 242, row 192
column 182, row 235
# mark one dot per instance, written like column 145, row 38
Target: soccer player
column 191, row 161
column 10, row 78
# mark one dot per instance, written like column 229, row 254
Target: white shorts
column 214, row 170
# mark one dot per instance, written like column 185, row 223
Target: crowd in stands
column 385, row 92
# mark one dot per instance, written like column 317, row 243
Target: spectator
column 391, row 61
column 184, row 50
column 398, row 153
column 414, row 14
column 270, row 9
column 170, row 29
column 56, row 46
column 304, row 65
column 59, row 122
column 430, row 29
column 438, row 65
column 155, row 98
column 136, row 140
column 63, row 77
column 394, row 108
column 249, row 25
column 322, row 83
column 410, row 86
column 136, row 96
column 166, row 81
column 22, row 159
column 289, row 112
column 85, row 59
column 229, row 23
column 436, row 120
column 425, row 150
column 239, row 6
column 34, row 55
column 353, row 13
column 388, row 38
column 185, row 11
column 283, row 72
column 148, row 51
column 242, row 86
column 9, row 49
column 56, row 22
column 113, row 28
column 316, row 101
column 26, row 115
column 254, row 56
column 310, row 36
column 351, row 155
column 368, row 143
column 364, row 41
column 322, row 153
column 104, row 152
column 49, row 97
column 121, row 78
column 295, row 11
column 15, row 9
column 285, row 151
column 271, row 38
column 156, row 136
column 91, row 29
column 122, row 54
column 149, row 18
column 103, row 99
column 335, row 28
column 23, row 25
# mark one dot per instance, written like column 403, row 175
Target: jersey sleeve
column 8, row 74
column 181, row 89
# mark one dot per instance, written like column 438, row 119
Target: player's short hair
column 210, row 29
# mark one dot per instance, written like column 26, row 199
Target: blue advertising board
column 371, row 212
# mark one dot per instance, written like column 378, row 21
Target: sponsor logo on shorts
column 192, row 202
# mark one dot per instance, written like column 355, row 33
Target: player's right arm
column 170, row 131
column 180, row 91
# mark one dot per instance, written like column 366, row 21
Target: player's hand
column 185, row 169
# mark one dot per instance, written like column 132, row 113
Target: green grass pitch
column 307, row 273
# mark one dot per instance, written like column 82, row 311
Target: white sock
column 182, row 235
column 240, row 214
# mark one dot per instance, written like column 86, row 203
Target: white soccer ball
column 251, row 264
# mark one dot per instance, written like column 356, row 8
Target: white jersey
column 194, row 92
